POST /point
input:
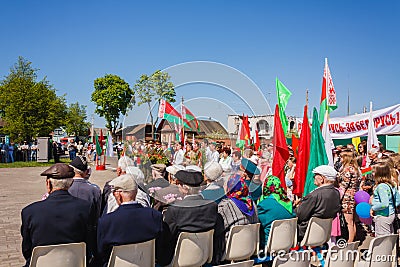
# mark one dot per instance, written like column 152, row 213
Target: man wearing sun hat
column 193, row 213
column 59, row 219
column 323, row 202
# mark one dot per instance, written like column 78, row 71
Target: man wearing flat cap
column 193, row 213
column 130, row 223
column 323, row 202
column 59, row 219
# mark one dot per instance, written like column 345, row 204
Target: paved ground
column 18, row 188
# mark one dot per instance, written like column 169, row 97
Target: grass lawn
column 20, row 164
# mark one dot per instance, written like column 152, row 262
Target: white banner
column 386, row 121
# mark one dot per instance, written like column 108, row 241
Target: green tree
column 75, row 122
column 154, row 88
column 30, row 108
column 113, row 97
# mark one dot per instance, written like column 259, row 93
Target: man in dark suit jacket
column 130, row 223
column 193, row 213
column 59, row 219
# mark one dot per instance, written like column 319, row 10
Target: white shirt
column 178, row 157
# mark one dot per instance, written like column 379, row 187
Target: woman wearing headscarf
column 236, row 209
column 273, row 205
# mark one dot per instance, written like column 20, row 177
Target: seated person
column 237, row 209
column 191, row 214
column 273, row 205
column 130, row 223
column 323, row 202
column 214, row 189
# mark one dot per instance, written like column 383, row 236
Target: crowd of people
column 24, row 151
column 202, row 186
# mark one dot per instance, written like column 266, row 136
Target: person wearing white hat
column 212, row 175
column 130, row 223
column 323, row 202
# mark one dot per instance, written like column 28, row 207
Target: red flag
column 303, row 157
column 281, row 152
column 295, row 145
column 256, row 142
column 247, row 130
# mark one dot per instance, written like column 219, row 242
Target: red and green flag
column 166, row 111
column 188, row 115
column 366, row 171
column 283, row 95
column 328, row 95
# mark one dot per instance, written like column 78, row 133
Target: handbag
column 396, row 221
column 344, row 230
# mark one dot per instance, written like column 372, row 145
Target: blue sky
column 75, row 42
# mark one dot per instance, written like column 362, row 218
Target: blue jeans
column 10, row 156
column 72, row 154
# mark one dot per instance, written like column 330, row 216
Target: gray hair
column 191, row 190
column 63, row 184
column 77, row 171
column 124, row 162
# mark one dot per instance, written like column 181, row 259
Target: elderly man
column 130, row 223
column 59, row 219
column 109, row 202
column 193, row 213
column 81, row 187
column 323, row 202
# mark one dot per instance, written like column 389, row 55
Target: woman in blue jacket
column 383, row 207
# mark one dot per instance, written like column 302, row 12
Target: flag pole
column 183, row 126
column 326, row 84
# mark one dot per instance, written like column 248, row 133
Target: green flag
column 283, row 95
column 317, row 153
column 98, row 145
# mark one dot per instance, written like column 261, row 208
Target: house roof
column 207, row 127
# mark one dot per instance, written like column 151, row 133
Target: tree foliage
column 29, row 108
column 155, row 87
column 113, row 97
column 75, row 121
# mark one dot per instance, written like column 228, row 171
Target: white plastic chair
column 243, row 242
column 282, row 235
column 318, row 232
column 133, row 255
column 193, row 249
column 63, row 255
column 342, row 257
column 294, row 258
column 381, row 252
column 238, row 264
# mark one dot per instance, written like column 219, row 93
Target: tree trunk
column 151, row 121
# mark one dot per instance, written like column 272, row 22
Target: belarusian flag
column 188, row 115
column 240, row 141
column 166, row 111
column 328, row 95
column 365, row 171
